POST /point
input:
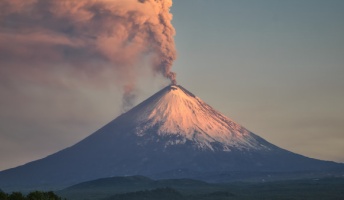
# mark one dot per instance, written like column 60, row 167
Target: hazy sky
column 274, row 66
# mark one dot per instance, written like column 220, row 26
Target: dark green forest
column 36, row 195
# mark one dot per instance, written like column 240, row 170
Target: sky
column 275, row 67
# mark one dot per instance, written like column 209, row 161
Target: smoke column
column 86, row 37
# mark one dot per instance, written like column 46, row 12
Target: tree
column 3, row 195
column 16, row 196
column 37, row 195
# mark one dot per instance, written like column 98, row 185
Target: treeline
column 157, row 194
column 170, row 194
column 36, row 195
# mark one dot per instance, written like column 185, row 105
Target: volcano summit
column 172, row 134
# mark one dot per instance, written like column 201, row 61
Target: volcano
column 172, row 134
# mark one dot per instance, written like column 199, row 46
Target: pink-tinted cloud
column 39, row 37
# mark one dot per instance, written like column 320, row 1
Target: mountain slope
column 172, row 134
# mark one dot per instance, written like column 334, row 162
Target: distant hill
column 105, row 187
column 138, row 188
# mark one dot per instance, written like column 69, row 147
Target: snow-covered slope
column 177, row 112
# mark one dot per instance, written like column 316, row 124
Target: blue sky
column 277, row 67
column 274, row 66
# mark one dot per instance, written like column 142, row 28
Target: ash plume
column 129, row 97
column 86, row 38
